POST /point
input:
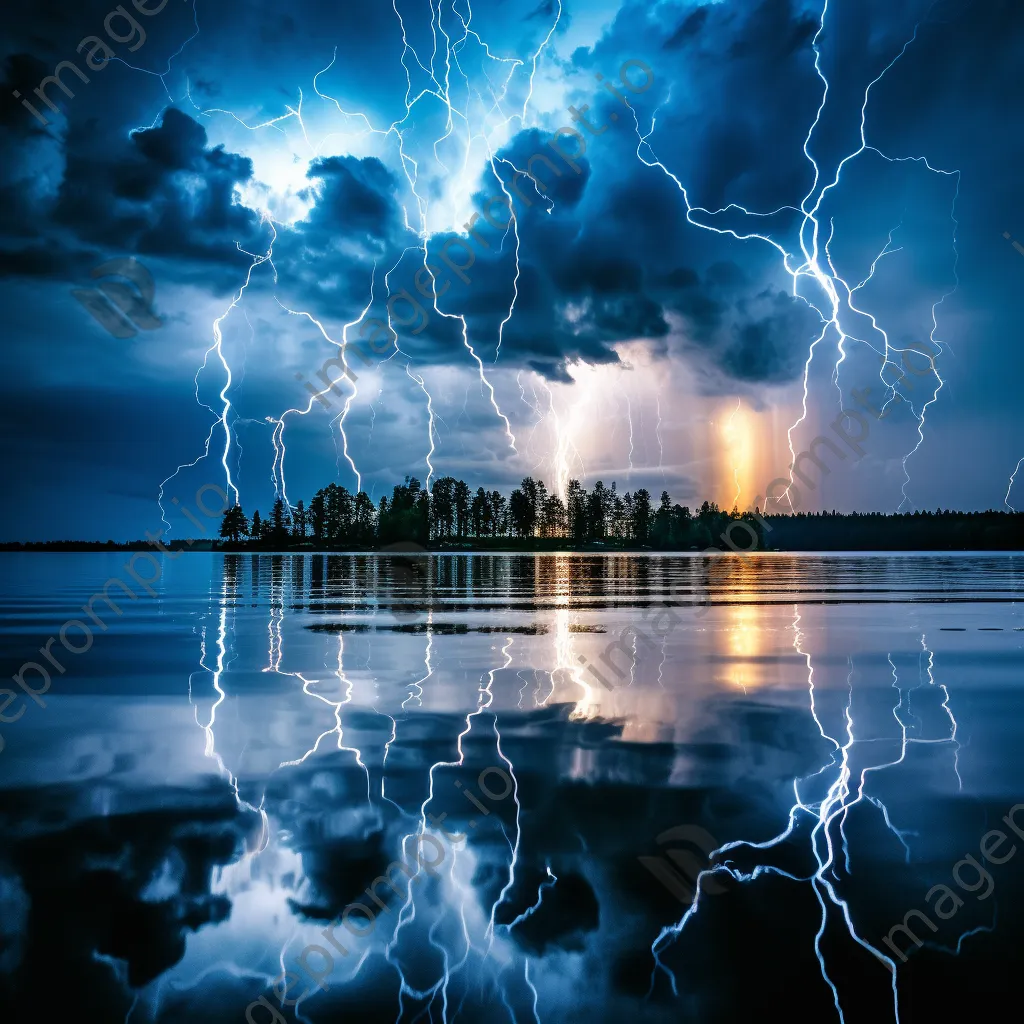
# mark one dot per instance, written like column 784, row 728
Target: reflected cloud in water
column 248, row 755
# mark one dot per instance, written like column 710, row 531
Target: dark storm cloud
column 600, row 234
column 563, row 919
column 578, row 300
column 21, row 73
column 165, row 193
column 353, row 235
column 161, row 191
column 357, row 198
column 548, row 179
column 743, row 88
column 569, row 303
column 731, row 312
column 586, row 270
column 753, row 336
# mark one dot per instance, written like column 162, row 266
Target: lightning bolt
column 836, row 294
column 346, row 375
column 825, row 814
column 657, row 434
column 222, row 419
column 566, row 453
column 216, row 673
column 410, row 166
column 162, row 75
column 453, row 961
column 443, row 70
column 629, row 416
column 438, row 89
column 1009, row 486
column 935, row 341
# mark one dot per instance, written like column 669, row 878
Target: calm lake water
column 541, row 754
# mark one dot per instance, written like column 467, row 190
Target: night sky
column 304, row 161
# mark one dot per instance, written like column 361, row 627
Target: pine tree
column 278, row 526
column 234, row 524
column 299, row 521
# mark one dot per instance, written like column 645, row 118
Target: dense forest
column 941, row 530
column 451, row 515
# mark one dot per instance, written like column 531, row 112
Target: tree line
column 451, row 513
column 941, row 530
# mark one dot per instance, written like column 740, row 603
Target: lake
column 525, row 787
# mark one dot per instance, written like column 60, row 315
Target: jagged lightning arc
column 825, row 814
column 439, row 88
column 442, row 92
column 566, row 453
column 280, row 483
column 222, row 419
column 280, row 451
column 1009, row 486
column 836, row 293
column 279, row 422
column 162, row 75
column 318, row 395
column 454, row 960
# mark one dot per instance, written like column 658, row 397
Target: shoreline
column 415, row 550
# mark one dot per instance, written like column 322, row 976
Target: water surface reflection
column 238, row 760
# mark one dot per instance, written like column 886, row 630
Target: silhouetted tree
column 642, row 516
column 299, row 521
column 406, row 516
column 234, row 524
column 553, row 518
column 576, row 510
column 442, row 500
column 364, row 525
column 531, row 497
column 317, row 515
column 519, row 513
column 278, row 522
column 462, row 502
